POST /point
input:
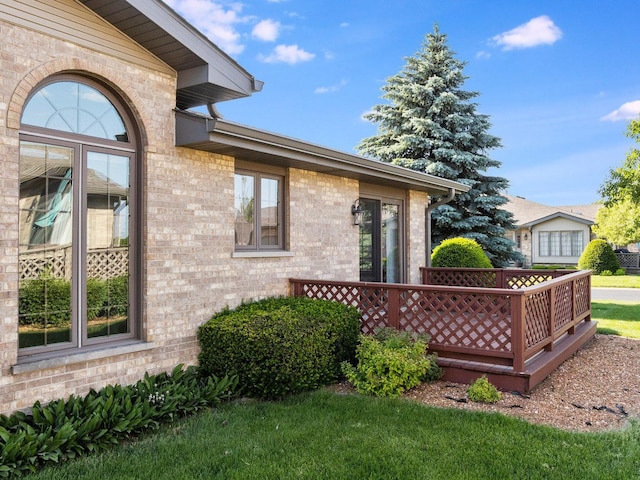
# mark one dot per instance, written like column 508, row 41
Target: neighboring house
column 127, row 220
column 550, row 235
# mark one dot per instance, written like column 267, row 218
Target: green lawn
column 617, row 318
column 329, row 436
column 621, row 281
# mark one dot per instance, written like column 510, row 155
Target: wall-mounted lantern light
column 357, row 212
column 526, row 237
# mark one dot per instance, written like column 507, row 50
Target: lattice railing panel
column 563, row 305
column 629, row 260
column 583, row 295
column 458, row 319
column 515, row 281
column 463, row 278
column 537, row 318
column 372, row 302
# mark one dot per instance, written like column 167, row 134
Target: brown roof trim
column 205, row 73
column 251, row 144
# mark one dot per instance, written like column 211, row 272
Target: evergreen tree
column 430, row 124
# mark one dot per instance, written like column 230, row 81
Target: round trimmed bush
column 460, row 252
column 598, row 257
column 280, row 346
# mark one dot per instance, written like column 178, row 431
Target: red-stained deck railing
column 510, row 318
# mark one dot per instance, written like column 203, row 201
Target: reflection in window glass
column 261, row 227
column 45, row 232
column 243, row 208
column 390, row 243
column 75, row 108
column 269, row 212
column 107, row 256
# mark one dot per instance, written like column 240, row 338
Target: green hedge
column 280, row 346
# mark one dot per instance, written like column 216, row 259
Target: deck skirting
column 536, row 369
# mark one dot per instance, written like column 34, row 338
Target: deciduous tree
column 619, row 223
column 623, row 183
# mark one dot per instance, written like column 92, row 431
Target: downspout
column 447, row 199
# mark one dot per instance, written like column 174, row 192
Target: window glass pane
column 269, row 217
column 544, row 244
column 75, row 108
column 576, row 243
column 554, row 244
column 107, row 258
column 244, row 193
column 390, row 243
column 45, row 252
column 566, row 243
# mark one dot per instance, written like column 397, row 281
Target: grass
column 617, row 318
column 616, row 281
column 322, row 435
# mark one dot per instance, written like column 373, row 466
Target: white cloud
column 537, row 31
column 344, row 24
column 483, row 54
column 266, row 30
column 290, row 54
column 628, row 111
column 215, row 20
column 332, row 88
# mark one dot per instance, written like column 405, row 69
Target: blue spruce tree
column 430, row 124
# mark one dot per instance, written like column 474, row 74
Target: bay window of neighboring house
column 78, row 223
column 259, row 210
column 560, row 243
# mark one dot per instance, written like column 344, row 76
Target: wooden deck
column 516, row 328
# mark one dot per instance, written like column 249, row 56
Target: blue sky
column 558, row 78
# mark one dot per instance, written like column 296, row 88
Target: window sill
column 261, row 254
column 26, row 365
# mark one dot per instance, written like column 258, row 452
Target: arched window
column 78, row 206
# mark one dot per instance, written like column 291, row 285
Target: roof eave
column 246, row 143
column 206, row 74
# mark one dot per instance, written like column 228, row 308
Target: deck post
column 518, row 331
column 394, row 308
column 500, row 279
column 574, row 307
column 552, row 318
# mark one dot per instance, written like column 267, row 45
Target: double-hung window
column 78, row 222
column 567, row 243
column 258, row 210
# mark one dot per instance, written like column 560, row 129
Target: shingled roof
column 527, row 213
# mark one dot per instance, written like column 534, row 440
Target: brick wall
column 190, row 270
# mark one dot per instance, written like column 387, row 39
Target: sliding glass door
column 381, row 252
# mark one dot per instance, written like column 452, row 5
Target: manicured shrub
column 460, row 253
column 598, row 256
column 66, row 429
column 390, row 363
column 280, row 346
column 481, row 390
column 620, row 272
column 606, row 273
